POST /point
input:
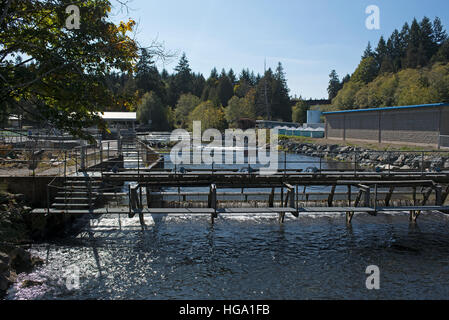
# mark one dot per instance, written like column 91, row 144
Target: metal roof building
column 423, row 125
column 120, row 120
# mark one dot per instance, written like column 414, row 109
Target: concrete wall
column 417, row 126
column 335, row 126
column 445, row 121
column 34, row 188
column 362, row 126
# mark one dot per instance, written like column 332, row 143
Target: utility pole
column 266, row 90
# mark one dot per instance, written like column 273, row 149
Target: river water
column 245, row 257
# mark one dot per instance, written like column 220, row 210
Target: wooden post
column 358, row 198
column 388, row 196
column 349, row 216
column 414, row 196
column 330, row 200
column 148, row 191
column 297, row 198
column 304, row 194
column 414, row 215
column 445, row 194
column 83, row 158
column 282, row 214
column 349, row 195
column 292, row 195
column 134, row 201
column 426, row 196
column 271, row 198
column 375, row 198
column 367, row 199
column 212, row 201
column 438, row 195
column 141, row 219
column 282, row 195
column 89, row 190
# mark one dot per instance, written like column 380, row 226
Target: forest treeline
column 175, row 100
column 410, row 67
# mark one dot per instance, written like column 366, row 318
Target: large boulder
column 4, row 262
column 21, row 260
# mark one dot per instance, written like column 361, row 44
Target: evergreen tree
column 183, row 66
column 345, row 79
column 148, row 77
column 182, row 81
column 225, row 89
column 281, row 107
column 368, row 51
column 198, row 84
column 334, row 85
column 381, row 52
column 164, row 75
column 210, row 91
column 387, row 64
column 214, row 74
column 395, row 49
column 439, row 33
column 429, row 47
column 232, row 77
column 366, row 71
column 404, row 37
column 412, row 57
column 264, row 95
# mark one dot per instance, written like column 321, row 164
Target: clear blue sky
column 310, row 38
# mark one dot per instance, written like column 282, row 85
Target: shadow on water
column 93, row 243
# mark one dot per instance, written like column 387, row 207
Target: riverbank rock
column 367, row 157
column 21, row 260
column 14, row 230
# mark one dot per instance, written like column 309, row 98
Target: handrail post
column 129, row 198
column 355, row 163
column 65, row 164
column 375, row 197
column 285, row 163
column 422, row 163
column 48, row 199
column 389, row 163
column 321, row 154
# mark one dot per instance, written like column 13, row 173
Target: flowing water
column 245, row 257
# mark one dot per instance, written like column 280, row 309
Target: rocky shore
column 14, row 236
column 369, row 158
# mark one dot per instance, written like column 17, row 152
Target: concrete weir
column 344, row 191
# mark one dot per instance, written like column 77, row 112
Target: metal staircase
column 77, row 195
